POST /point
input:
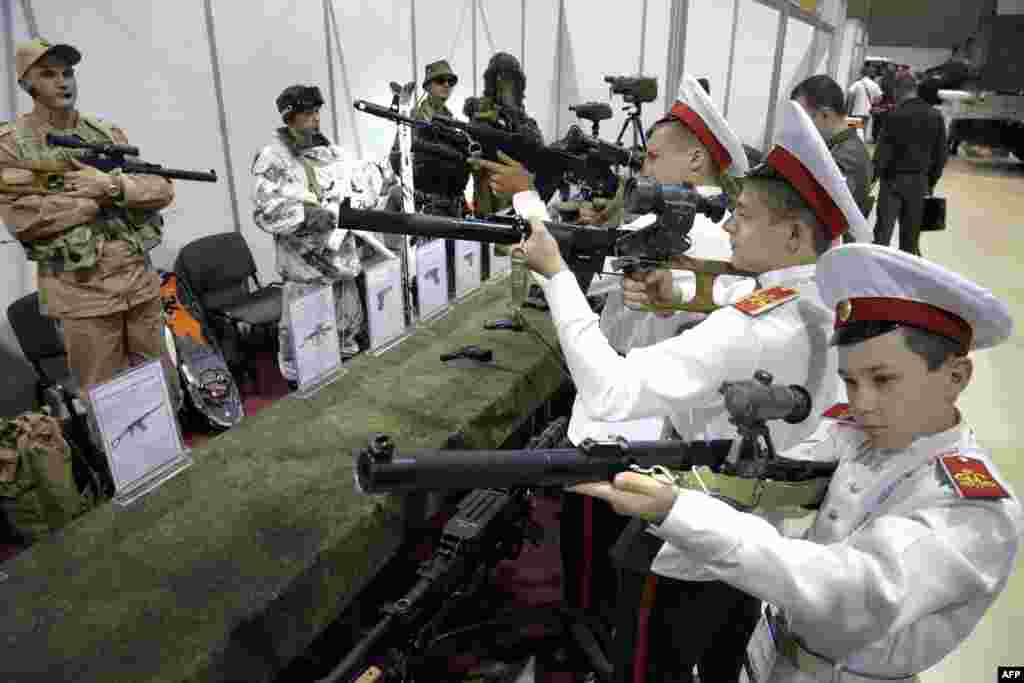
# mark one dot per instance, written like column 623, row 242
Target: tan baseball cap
column 30, row 52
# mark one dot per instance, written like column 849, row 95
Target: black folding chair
column 43, row 347
column 221, row 272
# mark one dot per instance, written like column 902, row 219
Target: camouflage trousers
column 349, row 316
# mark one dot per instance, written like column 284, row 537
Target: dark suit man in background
column 909, row 161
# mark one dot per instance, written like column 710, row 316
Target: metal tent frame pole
column 773, row 95
column 732, row 57
column 346, row 91
column 643, row 37
column 412, row 26
column 30, row 18
column 330, row 73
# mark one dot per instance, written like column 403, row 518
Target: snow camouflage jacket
column 286, row 181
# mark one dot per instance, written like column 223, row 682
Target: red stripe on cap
column 694, row 122
column 820, row 201
column 925, row 316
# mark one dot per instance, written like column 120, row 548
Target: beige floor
column 984, row 241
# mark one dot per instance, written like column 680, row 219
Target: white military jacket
column 896, row 571
column 680, row 377
column 626, row 329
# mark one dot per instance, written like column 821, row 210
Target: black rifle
column 107, row 157
column 483, row 141
column 583, row 248
column 751, row 404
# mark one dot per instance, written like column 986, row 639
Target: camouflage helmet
column 298, row 98
column 502, row 63
column 437, row 70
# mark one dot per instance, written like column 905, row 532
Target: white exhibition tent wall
column 193, row 82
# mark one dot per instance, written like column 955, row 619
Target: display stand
column 314, row 339
column 468, row 268
column 140, row 434
column 385, row 314
column 432, row 280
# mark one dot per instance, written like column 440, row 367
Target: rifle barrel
column 441, row 470
column 423, row 225
column 172, row 173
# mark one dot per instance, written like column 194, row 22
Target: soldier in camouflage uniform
column 90, row 238
column 440, row 172
column 300, row 180
column 502, row 107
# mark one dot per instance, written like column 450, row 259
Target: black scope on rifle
column 646, row 195
column 592, row 111
column 634, row 89
column 106, row 149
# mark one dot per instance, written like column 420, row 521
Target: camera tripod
column 633, row 120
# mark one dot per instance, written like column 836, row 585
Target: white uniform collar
column 934, row 443
column 709, row 190
column 781, row 276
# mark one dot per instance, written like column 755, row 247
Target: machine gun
column 583, row 248
column 481, row 141
column 752, row 458
column 489, row 525
column 47, row 177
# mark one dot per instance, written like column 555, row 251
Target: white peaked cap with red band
column 868, row 282
column 801, row 157
column 695, row 110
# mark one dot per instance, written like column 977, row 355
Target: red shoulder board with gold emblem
column 840, row 412
column 764, row 300
column 970, row 477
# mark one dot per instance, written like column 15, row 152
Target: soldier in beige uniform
column 91, row 238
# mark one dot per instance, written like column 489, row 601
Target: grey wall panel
column 282, row 44
column 752, row 76
column 17, row 276
column 707, row 44
column 656, row 54
column 376, row 40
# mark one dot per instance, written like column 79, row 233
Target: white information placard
column 315, row 343
column 384, row 313
column 467, row 267
column 139, row 430
column 431, row 277
column 499, row 264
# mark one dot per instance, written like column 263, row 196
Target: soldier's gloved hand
column 591, row 215
column 507, row 176
column 650, row 288
column 319, row 220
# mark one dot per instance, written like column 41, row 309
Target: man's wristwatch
column 116, row 190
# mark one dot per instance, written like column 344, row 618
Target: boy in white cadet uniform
column 787, row 214
column 691, row 144
column 918, row 533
